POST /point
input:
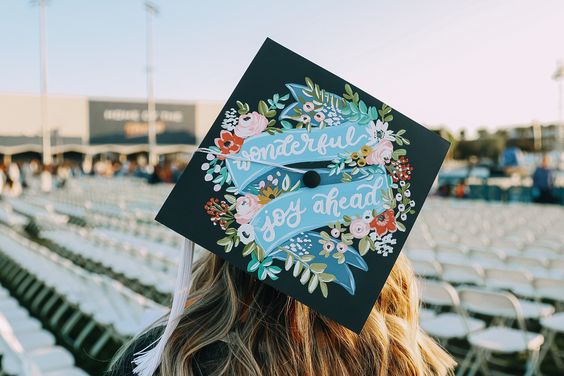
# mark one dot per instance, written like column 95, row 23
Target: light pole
column 152, row 11
column 558, row 76
column 47, row 157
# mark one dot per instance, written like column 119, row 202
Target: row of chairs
column 26, row 348
column 118, row 261
column 73, row 301
column 492, row 322
column 516, row 279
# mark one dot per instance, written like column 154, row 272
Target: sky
column 461, row 64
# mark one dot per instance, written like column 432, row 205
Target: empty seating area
column 84, row 268
column 81, row 272
column 491, row 279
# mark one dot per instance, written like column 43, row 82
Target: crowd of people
column 15, row 177
column 542, row 181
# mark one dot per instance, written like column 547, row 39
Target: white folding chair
column 498, row 338
column 537, row 266
column 462, row 274
column 449, row 325
column 517, row 281
column 487, row 258
column 552, row 326
column 426, row 269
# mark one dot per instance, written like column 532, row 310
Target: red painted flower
column 228, row 143
column 384, row 222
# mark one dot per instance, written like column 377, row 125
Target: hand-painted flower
column 246, row 206
column 228, row 143
column 381, row 154
column 358, row 228
column 342, row 247
column 319, row 117
column 251, row 124
column 308, row 106
column 384, row 222
column 246, row 233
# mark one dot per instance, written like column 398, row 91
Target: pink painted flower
column 308, row 106
column 359, row 229
column 246, row 206
column 251, row 124
column 381, row 154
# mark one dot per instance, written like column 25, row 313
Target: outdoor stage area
column 85, row 267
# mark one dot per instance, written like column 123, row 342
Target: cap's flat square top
column 243, row 197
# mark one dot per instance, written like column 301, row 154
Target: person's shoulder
column 205, row 361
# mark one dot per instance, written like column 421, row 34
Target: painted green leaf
column 401, row 227
column 363, row 246
column 307, row 258
column 262, row 108
column 289, row 261
column 313, row 282
column 305, row 276
column 224, row 241
column 309, row 83
column 318, row 267
column 324, row 290
column 228, row 247
column 297, row 269
column 249, row 248
column 326, row 277
column 231, row 199
column 286, row 124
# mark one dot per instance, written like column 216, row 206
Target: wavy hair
column 270, row 334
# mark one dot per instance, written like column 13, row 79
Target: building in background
column 92, row 127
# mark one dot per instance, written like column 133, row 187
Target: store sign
column 128, row 122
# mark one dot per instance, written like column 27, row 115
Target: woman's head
column 268, row 333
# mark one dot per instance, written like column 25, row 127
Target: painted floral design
column 314, row 257
column 228, row 143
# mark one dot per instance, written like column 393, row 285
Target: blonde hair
column 269, row 334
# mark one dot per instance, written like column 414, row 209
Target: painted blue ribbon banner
column 294, row 146
column 304, row 209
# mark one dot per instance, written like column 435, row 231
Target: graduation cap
column 306, row 182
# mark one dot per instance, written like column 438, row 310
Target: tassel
column 147, row 360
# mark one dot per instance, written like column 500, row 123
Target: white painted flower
column 275, row 182
column 305, row 119
column 401, row 207
column 205, row 166
column 412, row 203
column 367, row 216
column 402, row 183
column 383, row 130
column 216, row 187
column 398, row 197
column 217, row 168
column 407, row 193
column 403, row 216
column 208, row 177
column 335, row 232
column 210, row 157
column 246, row 233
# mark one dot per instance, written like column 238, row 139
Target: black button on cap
column 311, row 179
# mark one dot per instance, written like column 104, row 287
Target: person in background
column 46, row 180
column 461, row 189
column 543, row 182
